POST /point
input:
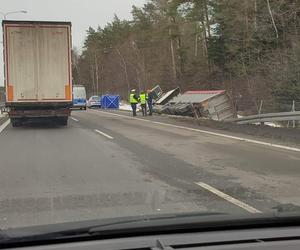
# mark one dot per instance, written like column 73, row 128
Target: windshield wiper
column 104, row 228
column 151, row 223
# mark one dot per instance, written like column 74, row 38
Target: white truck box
column 38, row 71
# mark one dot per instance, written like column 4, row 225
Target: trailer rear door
column 38, row 62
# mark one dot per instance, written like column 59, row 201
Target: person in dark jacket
column 134, row 100
column 150, row 101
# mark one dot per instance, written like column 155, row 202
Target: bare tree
column 123, row 65
column 272, row 18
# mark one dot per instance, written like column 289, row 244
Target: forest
column 251, row 48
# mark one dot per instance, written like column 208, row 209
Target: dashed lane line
column 4, row 125
column 74, row 119
column 208, row 132
column 228, row 198
column 104, row 134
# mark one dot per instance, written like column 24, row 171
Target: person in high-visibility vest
column 134, row 100
column 143, row 100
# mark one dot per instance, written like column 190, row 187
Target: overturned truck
column 211, row 104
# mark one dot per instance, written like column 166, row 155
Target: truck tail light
column 10, row 93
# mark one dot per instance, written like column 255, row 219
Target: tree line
column 251, row 48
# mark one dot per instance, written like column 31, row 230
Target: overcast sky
column 82, row 14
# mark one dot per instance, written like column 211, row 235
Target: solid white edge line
column 104, row 134
column 228, row 198
column 74, row 119
column 210, row 133
column 4, row 125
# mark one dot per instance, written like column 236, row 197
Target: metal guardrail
column 270, row 117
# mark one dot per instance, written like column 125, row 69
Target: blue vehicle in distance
column 79, row 97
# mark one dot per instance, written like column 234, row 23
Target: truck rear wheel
column 16, row 122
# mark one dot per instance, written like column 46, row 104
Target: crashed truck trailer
column 212, row 104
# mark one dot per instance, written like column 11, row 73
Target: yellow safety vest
column 132, row 99
column 143, row 98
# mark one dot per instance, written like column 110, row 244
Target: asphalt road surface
column 109, row 164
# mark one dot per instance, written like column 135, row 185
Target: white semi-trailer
column 38, row 71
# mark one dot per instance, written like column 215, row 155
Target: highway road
column 109, row 164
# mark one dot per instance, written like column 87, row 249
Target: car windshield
column 148, row 108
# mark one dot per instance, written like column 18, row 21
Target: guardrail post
column 259, row 111
column 260, row 106
column 293, row 110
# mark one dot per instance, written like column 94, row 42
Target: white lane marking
column 104, row 134
column 4, row 125
column 211, row 133
column 227, row 197
column 74, row 119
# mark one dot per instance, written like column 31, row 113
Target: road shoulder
column 283, row 136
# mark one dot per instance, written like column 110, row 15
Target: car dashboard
column 260, row 239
